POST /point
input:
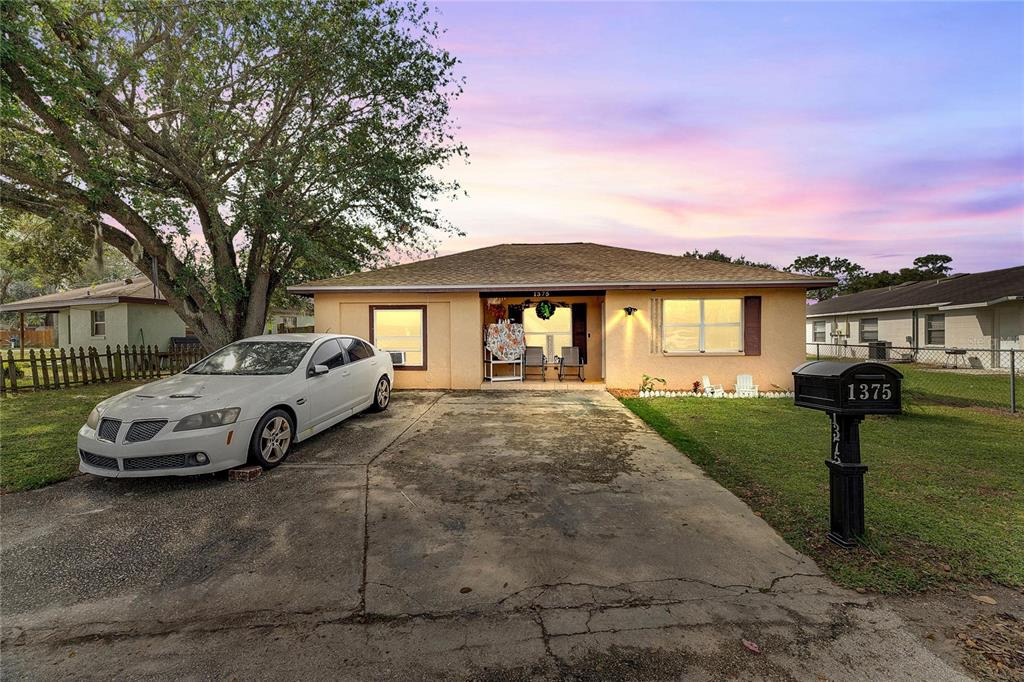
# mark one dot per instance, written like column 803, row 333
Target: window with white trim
column 818, row 331
column 869, row 329
column 401, row 329
column 98, row 322
column 702, row 325
column 935, row 329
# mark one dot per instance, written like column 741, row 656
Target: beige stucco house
column 629, row 312
column 124, row 312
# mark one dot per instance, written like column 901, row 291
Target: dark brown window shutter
column 579, row 329
column 752, row 325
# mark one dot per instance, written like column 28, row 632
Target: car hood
column 184, row 394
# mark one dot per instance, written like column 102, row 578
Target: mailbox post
column 847, row 392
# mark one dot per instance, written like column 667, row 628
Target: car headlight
column 94, row 418
column 206, row 420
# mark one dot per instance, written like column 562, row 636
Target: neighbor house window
column 818, row 331
column 692, row 325
column 869, row 329
column 935, row 330
column 401, row 328
column 97, row 319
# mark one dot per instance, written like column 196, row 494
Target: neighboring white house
column 982, row 311
column 283, row 320
column 124, row 312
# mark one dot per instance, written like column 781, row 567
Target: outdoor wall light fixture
column 629, row 309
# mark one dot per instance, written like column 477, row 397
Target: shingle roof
column 576, row 265
column 959, row 290
column 137, row 287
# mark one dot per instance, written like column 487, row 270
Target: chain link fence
column 965, row 377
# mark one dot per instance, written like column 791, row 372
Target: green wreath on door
column 545, row 309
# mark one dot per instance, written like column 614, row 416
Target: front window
column 713, row 325
column 401, row 329
column 551, row 334
column 98, row 320
column 935, row 330
column 254, row 358
column 869, row 329
column 819, row 331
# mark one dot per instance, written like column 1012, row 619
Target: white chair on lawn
column 710, row 388
column 745, row 387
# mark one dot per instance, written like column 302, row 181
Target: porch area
column 547, row 340
column 534, row 384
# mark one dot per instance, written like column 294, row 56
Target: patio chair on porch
column 570, row 360
column 534, row 359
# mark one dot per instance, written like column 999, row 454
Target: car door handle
column 345, row 373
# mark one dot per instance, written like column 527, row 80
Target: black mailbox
column 847, row 391
column 848, row 388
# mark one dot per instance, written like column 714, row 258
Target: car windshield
column 253, row 357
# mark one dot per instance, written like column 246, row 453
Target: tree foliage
column 241, row 145
column 38, row 257
column 717, row 255
column 853, row 277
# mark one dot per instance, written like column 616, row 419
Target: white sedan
column 247, row 402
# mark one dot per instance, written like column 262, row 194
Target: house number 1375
column 870, row 392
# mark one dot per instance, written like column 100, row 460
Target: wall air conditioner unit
column 397, row 357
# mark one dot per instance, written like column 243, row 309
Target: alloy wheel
column 275, row 439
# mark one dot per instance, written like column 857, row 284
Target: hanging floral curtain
column 506, row 340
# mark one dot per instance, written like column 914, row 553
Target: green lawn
column 951, row 388
column 38, row 430
column 944, row 491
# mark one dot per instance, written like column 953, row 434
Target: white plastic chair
column 745, row 386
column 709, row 388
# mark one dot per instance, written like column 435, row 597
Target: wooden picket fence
column 66, row 368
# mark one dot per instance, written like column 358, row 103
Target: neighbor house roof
column 958, row 291
column 578, row 265
column 132, row 290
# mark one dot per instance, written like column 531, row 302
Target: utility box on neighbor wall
column 847, row 391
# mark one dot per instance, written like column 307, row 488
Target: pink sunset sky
column 874, row 131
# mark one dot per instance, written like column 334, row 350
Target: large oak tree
column 240, row 146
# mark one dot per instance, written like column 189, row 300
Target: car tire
column 381, row 395
column 272, row 439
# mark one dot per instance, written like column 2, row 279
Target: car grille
column 108, row 429
column 98, row 461
column 140, row 431
column 159, row 462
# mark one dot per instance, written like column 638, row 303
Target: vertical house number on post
column 836, row 437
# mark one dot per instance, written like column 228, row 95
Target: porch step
column 533, row 385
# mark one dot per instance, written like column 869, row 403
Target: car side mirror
column 317, row 370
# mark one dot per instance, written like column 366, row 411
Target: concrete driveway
column 503, row 535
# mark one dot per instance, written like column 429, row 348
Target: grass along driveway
column 944, row 490
column 38, row 431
